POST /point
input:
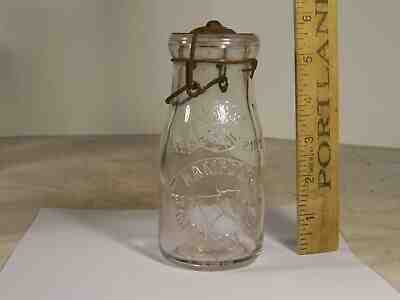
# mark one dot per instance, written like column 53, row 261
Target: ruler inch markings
column 316, row 126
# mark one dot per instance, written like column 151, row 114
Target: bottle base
column 216, row 265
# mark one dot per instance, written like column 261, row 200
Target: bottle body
column 212, row 206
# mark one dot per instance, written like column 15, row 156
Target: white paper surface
column 82, row 254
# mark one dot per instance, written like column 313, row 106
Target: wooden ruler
column 317, row 125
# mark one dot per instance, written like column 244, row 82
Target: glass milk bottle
column 212, row 205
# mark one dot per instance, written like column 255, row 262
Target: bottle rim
column 224, row 40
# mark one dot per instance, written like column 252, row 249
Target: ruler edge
column 334, row 73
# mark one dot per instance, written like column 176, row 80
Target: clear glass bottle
column 212, row 205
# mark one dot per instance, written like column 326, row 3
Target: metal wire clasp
column 192, row 88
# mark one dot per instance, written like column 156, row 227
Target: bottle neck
column 220, row 81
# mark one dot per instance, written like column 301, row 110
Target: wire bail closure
column 192, row 88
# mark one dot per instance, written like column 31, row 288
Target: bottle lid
column 214, row 34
